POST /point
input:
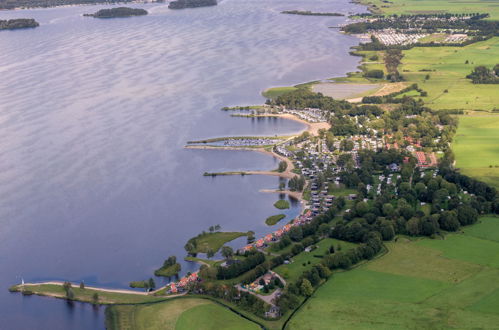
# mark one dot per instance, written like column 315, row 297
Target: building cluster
column 391, row 37
column 181, row 285
column 309, row 114
column 249, row 142
column 276, row 235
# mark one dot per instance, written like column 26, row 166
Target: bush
column 377, row 74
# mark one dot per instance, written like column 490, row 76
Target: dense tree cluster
column 181, row 4
column 11, row 4
column 118, row 12
column 252, row 260
column 483, row 75
column 18, row 23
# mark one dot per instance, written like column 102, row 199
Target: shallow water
column 94, row 182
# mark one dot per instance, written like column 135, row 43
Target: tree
column 227, row 252
column 413, row 226
column 210, row 253
column 211, row 229
column 95, row 298
column 296, row 234
column 70, row 294
column 448, row 221
column 82, row 285
column 306, row 288
column 218, row 227
column 151, row 283
column 282, row 166
column 466, row 215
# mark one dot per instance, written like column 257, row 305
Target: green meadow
column 476, row 147
column 180, row 314
column 434, row 6
column 421, row 284
column 447, row 86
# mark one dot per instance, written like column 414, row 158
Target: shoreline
column 311, row 128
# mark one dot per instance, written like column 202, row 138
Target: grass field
column 448, row 72
column 422, row 284
column 435, row 6
column 476, row 147
column 185, row 313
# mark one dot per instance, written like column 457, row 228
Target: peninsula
column 19, row 23
column 309, row 13
column 118, row 12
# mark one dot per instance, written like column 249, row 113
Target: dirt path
column 124, row 291
column 287, row 174
column 89, row 287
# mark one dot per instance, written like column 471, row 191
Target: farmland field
column 476, row 147
column 435, row 6
column 450, row 283
column 448, row 87
column 183, row 313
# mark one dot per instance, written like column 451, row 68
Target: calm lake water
column 94, row 182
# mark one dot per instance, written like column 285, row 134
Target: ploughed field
column 476, row 147
column 440, row 283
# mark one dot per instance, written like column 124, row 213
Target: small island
column 181, row 4
column 309, row 13
column 274, row 219
column 170, row 268
column 118, row 12
column 19, row 23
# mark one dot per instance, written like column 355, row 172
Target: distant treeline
column 309, row 13
column 181, row 4
column 11, row 4
column 19, row 23
column 118, row 12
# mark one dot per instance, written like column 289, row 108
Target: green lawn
column 183, row 313
column 215, row 241
column 476, row 147
column 421, row 284
column 435, row 6
column 293, row 270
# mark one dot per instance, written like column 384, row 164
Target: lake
column 95, row 184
